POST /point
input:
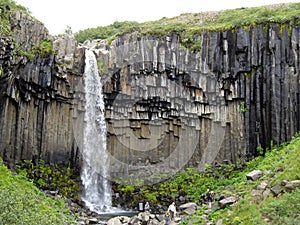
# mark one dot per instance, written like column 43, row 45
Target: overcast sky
column 57, row 15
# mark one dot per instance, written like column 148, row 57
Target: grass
column 282, row 163
column 7, row 8
column 191, row 24
column 278, row 164
column 23, row 203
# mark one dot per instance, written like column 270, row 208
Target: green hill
column 267, row 200
column 273, row 204
column 22, row 203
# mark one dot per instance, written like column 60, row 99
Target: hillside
column 271, row 199
column 22, row 203
column 189, row 24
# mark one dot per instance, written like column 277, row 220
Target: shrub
column 53, row 178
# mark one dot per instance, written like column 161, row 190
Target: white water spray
column 95, row 169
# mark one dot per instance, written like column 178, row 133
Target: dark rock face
column 36, row 107
column 239, row 92
column 166, row 106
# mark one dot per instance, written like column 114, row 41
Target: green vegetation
column 44, row 49
column 243, row 107
column 188, row 183
column 191, row 24
column 52, row 178
column 282, row 163
column 231, row 19
column 278, row 164
column 106, row 32
column 22, row 203
column 7, row 8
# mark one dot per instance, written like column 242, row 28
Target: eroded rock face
column 37, row 94
column 166, row 107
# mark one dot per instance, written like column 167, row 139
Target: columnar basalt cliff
column 36, row 94
column 167, row 107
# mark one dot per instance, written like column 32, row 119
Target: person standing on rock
column 172, row 209
column 210, row 198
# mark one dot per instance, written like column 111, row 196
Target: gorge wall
column 166, row 107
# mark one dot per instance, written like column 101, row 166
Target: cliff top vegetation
column 7, row 7
column 195, row 23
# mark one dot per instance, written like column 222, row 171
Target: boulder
column 189, row 208
column 276, row 189
column 266, row 192
column 114, row 221
column 226, row 201
column 219, row 222
column 124, row 219
column 144, row 216
column 93, row 221
column 256, row 193
column 262, row 185
column 290, row 186
column 254, row 175
column 160, row 217
column 134, row 220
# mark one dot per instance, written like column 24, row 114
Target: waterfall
column 95, row 168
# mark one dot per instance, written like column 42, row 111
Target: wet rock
column 93, row 221
column 114, row 221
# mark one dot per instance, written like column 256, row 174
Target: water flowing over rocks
column 166, row 107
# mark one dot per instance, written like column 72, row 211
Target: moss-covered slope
column 22, row 203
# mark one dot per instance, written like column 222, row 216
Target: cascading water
column 95, row 169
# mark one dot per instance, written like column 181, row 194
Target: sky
column 57, row 15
